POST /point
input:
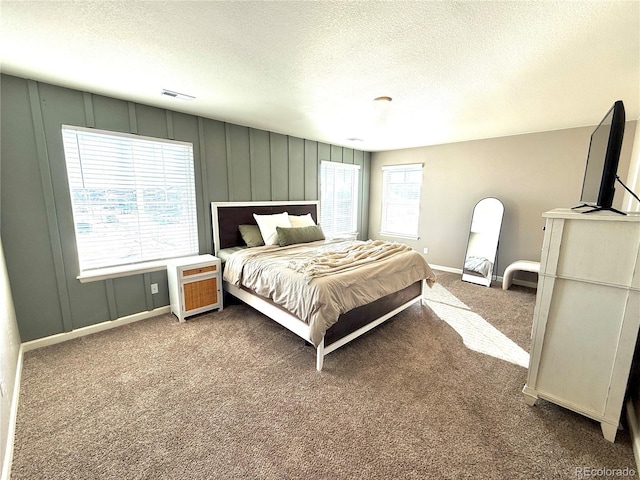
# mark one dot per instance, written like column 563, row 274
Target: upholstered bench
column 523, row 265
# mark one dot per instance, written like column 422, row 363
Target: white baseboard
column 99, row 327
column 446, row 269
column 13, row 415
column 634, row 428
column 515, row 281
column 52, row 340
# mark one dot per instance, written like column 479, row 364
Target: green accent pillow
column 251, row 235
column 291, row 236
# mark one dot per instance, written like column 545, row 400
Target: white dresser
column 587, row 314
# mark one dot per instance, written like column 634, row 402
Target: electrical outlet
column 154, row 288
column 425, row 250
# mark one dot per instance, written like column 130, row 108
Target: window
column 401, row 186
column 339, row 198
column 133, row 197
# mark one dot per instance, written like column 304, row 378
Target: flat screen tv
column 598, row 187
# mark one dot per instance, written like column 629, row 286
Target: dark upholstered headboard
column 226, row 216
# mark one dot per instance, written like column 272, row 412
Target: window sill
column 343, row 236
column 399, row 235
column 122, row 271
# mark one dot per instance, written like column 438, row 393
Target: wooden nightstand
column 195, row 285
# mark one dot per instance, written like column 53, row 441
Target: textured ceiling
column 456, row 70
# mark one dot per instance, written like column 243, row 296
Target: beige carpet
column 234, row 395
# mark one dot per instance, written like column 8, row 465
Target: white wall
column 630, row 204
column 530, row 174
column 9, row 359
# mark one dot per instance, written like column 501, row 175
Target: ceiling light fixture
column 181, row 96
column 382, row 99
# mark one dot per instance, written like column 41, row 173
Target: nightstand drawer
column 197, row 271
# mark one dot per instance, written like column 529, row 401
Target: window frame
column 384, row 228
column 144, row 265
column 354, row 232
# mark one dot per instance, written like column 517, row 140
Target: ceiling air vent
column 181, row 96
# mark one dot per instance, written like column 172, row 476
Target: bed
column 321, row 320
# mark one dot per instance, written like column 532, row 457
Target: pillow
column 301, row 220
column 290, row 236
column 268, row 224
column 251, row 235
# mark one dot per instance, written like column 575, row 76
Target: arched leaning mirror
column 482, row 246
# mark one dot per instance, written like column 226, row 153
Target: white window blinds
column 339, row 198
column 401, row 185
column 133, row 197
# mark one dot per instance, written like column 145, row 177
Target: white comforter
column 319, row 281
column 479, row 265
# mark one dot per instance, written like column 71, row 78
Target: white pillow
column 301, row 220
column 268, row 224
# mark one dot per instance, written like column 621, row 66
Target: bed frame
column 226, row 216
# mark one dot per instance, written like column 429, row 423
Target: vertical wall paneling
column 358, row 159
column 296, row 168
column 348, row 155
column 170, row 134
column 88, row 302
column 311, row 170
column 88, row 110
column 366, row 175
column 147, row 290
column 204, row 198
column 260, row 153
column 366, row 193
column 25, row 238
column 185, row 128
column 111, row 299
column 228, row 157
column 238, row 162
column 279, row 167
column 52, row 219
column 130, row 292
column 161, row 298
column 133, row 123
column 231, row 163
column 336, row 154
column 151, row 121
column 216, row 160
column 111, row 114
column 324, row 152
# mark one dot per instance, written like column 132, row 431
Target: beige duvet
column 319, row 281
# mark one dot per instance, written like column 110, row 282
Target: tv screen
column 598, row 187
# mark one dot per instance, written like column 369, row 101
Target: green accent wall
column 232, row 163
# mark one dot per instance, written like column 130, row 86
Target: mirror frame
column 474, row 277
